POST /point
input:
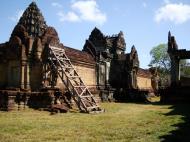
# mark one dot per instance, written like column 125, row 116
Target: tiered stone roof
column 33, row 20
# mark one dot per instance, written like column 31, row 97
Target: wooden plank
column 62, row 64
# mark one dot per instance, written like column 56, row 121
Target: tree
column 160, row 58
column 161, row 61
column 185, row 68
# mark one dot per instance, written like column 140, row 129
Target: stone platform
column 46, row 99
column 18, row 100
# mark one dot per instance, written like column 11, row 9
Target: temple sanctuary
column 35, row 68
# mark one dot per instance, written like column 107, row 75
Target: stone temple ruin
column 38, row 71
column 179, row 88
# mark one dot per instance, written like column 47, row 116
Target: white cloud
column 177, row 13
column 55, row 4
column 89, row 11
column 84, row 10
column 17, row 16
column 70, row 16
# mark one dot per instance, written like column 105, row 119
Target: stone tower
column 25, row 50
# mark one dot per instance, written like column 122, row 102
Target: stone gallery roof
column 144, row 73
column 77, row 55
column 114, row 41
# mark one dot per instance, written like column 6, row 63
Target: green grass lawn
column 125, row 122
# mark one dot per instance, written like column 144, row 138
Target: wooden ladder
column 59, row 61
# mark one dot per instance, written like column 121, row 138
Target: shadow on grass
column 182, row 133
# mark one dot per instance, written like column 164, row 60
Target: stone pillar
column 107, row 70
column 30, row 44
column 172, row 72
column 38, row 48
column 22, row 76
column 131, row 79
column 177, row 78
column 175, row 71
column 134, row 79
column 102, row 75
column 23, row 65
column 28, row 76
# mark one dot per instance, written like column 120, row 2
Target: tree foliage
column 185, row 68
column 161, row 61
column 160, row 58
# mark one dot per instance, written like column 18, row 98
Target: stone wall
column 13, row 74
column 144, row 82
column 88, row 74
column 3, row 75
column 60, row 84
column 36, row 76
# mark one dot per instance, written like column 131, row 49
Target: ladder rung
column 80, row 86
column 67, row 67
column 74, row 76
column 61, row 59
column 58, row 52
column 89, row 96
column 58, row 55
column 56, row 48
column 64, row 59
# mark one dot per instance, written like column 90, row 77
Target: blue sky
column 145, row 23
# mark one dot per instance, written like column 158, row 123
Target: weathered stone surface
column 33, row 21
column 103, row 64
column 115, row 69
column 176, row 55
column 178, row 90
